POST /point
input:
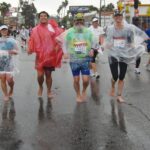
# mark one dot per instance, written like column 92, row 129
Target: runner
column 148, row 48
column 136, row 22
column 98, row 33
column 48, row 53
column 78, row 44
column 24, row 35
column 8, row 48
column 124, row 48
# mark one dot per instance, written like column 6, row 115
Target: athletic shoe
column 97, row 75
column 137, row 71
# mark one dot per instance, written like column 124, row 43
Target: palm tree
column 65, row 5
column 4, row 8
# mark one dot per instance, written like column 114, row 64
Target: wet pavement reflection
column 9, row 139
column 118, row 114
column 31, row 123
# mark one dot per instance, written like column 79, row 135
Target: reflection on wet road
column 31, row 123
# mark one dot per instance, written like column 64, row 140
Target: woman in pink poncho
column 48, row 52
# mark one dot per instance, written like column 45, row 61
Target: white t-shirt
column 97, row 32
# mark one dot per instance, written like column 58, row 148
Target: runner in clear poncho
column 8, row 66
column 124, row 42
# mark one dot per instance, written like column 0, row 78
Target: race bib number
column 119, row 43
column 80, row 47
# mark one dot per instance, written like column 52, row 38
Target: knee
column 40, row 77
column 76, row 81
column 115, row 78
column 121, row 78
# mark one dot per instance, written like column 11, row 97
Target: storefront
column 144, row 14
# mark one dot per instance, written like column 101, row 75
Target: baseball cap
column 79, row 16
column 118, row 13
column 94, row 19
column 3, row 27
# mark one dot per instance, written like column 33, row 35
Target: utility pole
column 100, row 6
column 100, row 11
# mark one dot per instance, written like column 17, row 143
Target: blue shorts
column 78, row 67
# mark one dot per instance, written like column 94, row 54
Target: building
column 143, row 14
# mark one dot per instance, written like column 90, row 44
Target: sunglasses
column 79, row 23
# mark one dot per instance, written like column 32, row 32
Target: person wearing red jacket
column 48, row 52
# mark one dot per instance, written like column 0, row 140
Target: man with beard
column 77, row 47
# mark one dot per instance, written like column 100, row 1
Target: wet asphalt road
column 29, row 123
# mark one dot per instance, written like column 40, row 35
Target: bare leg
column 4, row 87
column 77, row 88
column 93, row 67
column 112, row 91
column 120, row 89
column 85, row 79
column 48, row 75
column 10, row 82
column 40, row 78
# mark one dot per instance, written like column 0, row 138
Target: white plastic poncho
column 8, row 62
column 125, row 44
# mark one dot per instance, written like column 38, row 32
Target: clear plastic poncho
column 8, row 61
column 125, row 44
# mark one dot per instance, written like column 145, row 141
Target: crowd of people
column 79, row 44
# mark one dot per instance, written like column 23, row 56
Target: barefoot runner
column 48, row 53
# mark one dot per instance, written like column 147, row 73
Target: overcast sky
column 51, row 6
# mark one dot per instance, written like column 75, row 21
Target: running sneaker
column 97, row 75
column 137, row 70
column 92, row 75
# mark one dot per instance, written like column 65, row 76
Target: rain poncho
column 77, row 44
column 43, row 43
column 8, row 62
column 125, row 44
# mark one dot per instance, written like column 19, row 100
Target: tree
column 4, row 9
column 29, row 11
column 92, row 8
column 109, row 7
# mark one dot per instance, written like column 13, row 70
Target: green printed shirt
column 79, row 43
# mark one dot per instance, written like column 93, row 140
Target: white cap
column 3, row 27
column 94, row 19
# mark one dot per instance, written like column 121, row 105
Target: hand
column 65, row 56
column 13, row 52
column 91, row 53
column 29, row 52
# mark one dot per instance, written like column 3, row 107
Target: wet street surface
column 30, row 123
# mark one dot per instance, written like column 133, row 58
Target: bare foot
column 120, row 99
column 84, row 96
column 50, row 95
column 79, row 99
column 40, row 91
column 112, row 92
column 10, row 93
column 6, row 98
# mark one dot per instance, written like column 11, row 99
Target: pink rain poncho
column 43, row 43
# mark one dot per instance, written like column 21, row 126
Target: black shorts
column 148, row 50
column 23, row 39
column 50, row 69
column 93, row 59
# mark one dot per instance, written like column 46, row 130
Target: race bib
column 80, row 47
column 119, row 43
